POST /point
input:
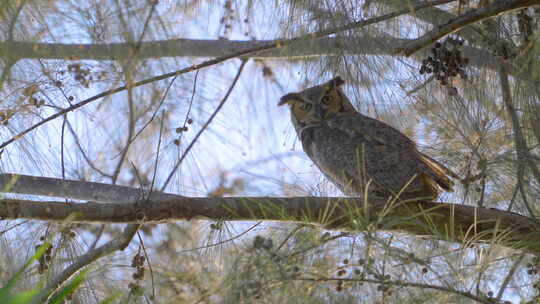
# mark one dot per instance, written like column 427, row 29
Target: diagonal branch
column 522, row 150
column 118, row 243
column 475, row 15
column 186, row 47
column 271, row 45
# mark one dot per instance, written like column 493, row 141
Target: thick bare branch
column 78, row 190
column 360, row 45
column 440, row 220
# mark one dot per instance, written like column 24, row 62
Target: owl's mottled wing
column 390, row 158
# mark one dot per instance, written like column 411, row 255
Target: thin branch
column 14, row 18
column 289, row 235
column 222, row 242
column 158, row 150
column 119, row 243
column 509, row 276
column 192, row 143
column 315, row 246
column 401, row 283
column 131, row 127
column 13, row 227
column 131, row 106
column 522, row 150
column 493, row 9
column 62, row 156
column 83, row 153
column 148, row 263
column 153, row 116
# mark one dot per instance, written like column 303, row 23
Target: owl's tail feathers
column 439, row 172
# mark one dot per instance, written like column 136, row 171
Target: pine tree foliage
column 181, row 97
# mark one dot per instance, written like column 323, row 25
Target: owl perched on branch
column 360, row 154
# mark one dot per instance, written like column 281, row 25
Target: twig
column 400, row 283
column 63, row 132
column 13, row 226
column 83, row 153
column 154, row 174
column 221, row 242
column 13, row 21
column 148, row 263
column 323, row 241
column 286, row 239
column 190, row 101
column 192, row 143
column 131, row 112
column 508, row 277
column 11, row 60
column 162, row 100
column 131, row 129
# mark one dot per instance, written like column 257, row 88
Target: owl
column 359, row 154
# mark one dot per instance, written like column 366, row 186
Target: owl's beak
column 318, row 112
column 288, row 98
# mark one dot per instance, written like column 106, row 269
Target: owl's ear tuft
column 336, row 82
column 288, row 98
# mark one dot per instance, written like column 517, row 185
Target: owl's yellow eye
column 305, row 106
column 326, row 100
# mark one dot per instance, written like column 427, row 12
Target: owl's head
column 316, row 104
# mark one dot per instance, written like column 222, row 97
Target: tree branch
column 276, row 44
column 187, row 47
column 358, row 45
column 459, row 223
column 475, row 15
column 466, row 294
column 522, row 150
column 118, row 243
column 205, row 126
column 78, row 190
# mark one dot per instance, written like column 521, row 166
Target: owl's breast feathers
column 354, row 149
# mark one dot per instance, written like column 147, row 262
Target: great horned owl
column 357, row 152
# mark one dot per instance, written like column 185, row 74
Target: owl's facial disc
column 306, row 113
column 335, row 103
column 303, row 110
column 314, row 105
